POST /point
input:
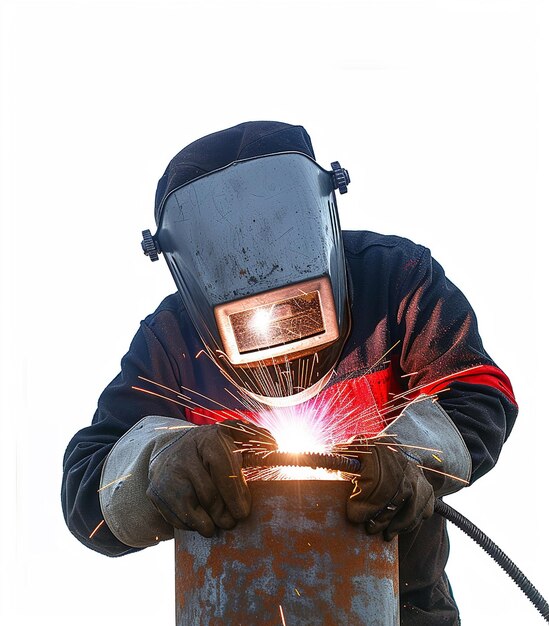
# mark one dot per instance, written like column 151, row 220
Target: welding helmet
column 247, row 222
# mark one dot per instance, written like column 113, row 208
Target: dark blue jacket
column 412, row 330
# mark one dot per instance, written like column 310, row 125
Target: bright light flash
column 261, row 321
column 299, row 429
column 295, row 430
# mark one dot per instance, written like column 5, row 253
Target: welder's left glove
column 419, row 456
column 391, row 494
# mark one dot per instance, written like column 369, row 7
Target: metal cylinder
column 295, row 560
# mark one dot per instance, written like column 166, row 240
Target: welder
column 275, row 305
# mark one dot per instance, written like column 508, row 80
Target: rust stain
column 296, row 538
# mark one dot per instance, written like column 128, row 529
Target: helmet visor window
column 297, row 318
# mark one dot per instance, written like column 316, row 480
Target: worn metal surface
column 295, row 558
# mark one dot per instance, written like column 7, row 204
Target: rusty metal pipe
column 295, row 560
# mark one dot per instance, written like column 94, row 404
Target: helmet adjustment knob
column 150, row 245
column 340, row 177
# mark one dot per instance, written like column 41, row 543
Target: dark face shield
column 256, row 252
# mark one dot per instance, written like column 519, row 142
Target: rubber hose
column 496, row 553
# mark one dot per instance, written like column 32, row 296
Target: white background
column 439, row 109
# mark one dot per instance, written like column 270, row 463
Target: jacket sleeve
column 442, row 353
column 120, row 407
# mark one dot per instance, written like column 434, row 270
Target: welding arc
column 497, row 554
column 324, row 460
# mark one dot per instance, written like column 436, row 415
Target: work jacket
column 412, row 332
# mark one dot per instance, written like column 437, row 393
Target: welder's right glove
column 248, row 436
column 196, row 482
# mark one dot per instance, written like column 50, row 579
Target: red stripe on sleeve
column 481, row 375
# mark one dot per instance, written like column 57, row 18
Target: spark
column 153, row 382
column 298, row 429
column 226, row 410
column 96, row 528
column 430, row 469
column 435, row 382
column 325, row 423
column 349, row 477
column 370, row 369
column 282, row 615
column 373, row 441
column 247, row 403
column 188, row 399
column 249, row 428
column 409, row 375
column 113, row 481
column 356, row 489
column 297, row 592
column 158, row 395
column 261, row 473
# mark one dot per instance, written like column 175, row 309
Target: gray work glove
column 165, row 473
column 196, row 482
column 391, row 494
column 419, row 456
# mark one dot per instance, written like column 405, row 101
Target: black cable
column 496, row 553
column 333, row 461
